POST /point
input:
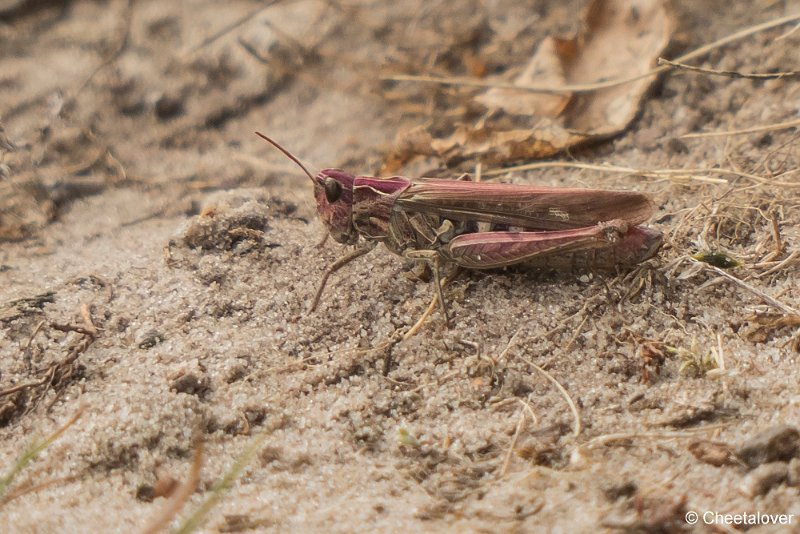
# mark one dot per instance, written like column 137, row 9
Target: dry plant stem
column 27, row 385
column 741, row 283
column 576, row 334
column 33, row 488
column 508, row 346
column 654, row 173
column 788, row 33
column 590, row 87
column 776, row 236
column 427, row 313
column 31, row 453
column 576, row 429
column 26, row 353
column 182, row 495
column 122, row 44
column 230, row 27
column 513, row 444
column 86, row 315
column 755, row 129
column 601, row 441
column 789, row 261
column 561, row 325
column 728, row 73
column 720, row 356
column 220, row 487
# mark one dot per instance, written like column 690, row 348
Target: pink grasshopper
column 482, row 225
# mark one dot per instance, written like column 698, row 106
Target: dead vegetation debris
column 23, row 398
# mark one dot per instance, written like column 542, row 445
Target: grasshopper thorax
column 333, row 191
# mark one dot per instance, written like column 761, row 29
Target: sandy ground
column 157, row 263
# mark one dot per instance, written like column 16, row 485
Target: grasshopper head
column 333, row 190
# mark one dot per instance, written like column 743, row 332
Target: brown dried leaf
column 409, row 143
column 495, row 147
column 621, row 39
column 545, row 68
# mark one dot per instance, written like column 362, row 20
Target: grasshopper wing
column 527, row 207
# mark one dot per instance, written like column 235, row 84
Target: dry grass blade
column 785, row 308
column 427, row 313
column 601, row 441
column 32, row 452
column 230, row 27
column 576, row 428
column 728, row 73
column 513, row 444
column 222, row 486
column 174, row 506
column 755, row 129
column 674, row 174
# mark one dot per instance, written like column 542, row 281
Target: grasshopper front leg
column 338, row 264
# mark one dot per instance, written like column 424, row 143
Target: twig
column 73, row 328
column 590, row 87
column 122, row 44
column 561, row 325
column 230, row 27
column 33, row 488
column 651, row 173
column 174, row 506
column 729, row 73
column 790, row 260
column 424, row 317
column 427, row 313
column 88, row 325
column 20, row 387
column 576, row 334
column 741, row 283
column 755, row 129
column 720, row 356
column 776, row 236
column 511, row 341
column 788, row 33
column 576, row 429
column 26, row 353
column 603, row 440
column 517, row 432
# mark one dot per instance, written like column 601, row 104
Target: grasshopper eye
column 333, row 189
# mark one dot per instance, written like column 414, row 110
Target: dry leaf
column 624, row 38
column 545, row 68
column 545, row 139
column 621, row 39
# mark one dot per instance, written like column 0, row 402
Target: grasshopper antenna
column 285, row 153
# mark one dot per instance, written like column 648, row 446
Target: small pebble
column 780, row 443
column 764, row 477
column 712, row 452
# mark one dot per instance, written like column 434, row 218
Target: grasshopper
column 480, row 225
